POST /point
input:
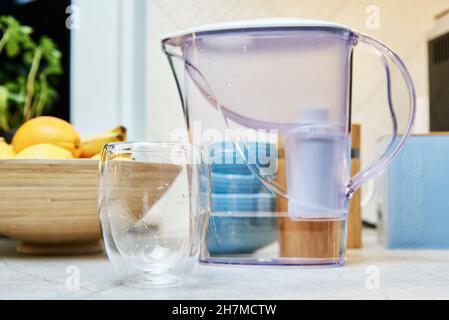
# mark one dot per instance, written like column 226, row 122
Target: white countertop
column 403, row 274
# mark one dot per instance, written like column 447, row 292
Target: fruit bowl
column 51, row 207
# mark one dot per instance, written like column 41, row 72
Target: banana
column 6, row 150
column 92, row 146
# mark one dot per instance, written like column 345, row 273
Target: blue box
column 413, row 200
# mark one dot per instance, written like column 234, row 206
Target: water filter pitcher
column 285, row 82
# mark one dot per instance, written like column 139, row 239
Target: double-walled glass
column 154, row 204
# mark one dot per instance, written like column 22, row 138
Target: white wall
column 403, row 26
column 108, row 66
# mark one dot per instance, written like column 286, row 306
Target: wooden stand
column 354, row 236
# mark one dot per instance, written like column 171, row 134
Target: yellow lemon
column 44, row 151
column 6, row 150
column 47, row 130
column 97, row 156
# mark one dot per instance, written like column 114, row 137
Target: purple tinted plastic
column 295, row 81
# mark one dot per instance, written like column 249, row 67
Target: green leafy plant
column 28, row 73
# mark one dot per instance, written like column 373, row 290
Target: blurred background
column 115, row 70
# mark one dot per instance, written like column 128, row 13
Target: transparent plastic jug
column 288, row 80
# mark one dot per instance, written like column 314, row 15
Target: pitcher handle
column 393, row 148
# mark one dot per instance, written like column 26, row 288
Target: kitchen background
column 113, row 83
column 119, row 74
column 404, row 25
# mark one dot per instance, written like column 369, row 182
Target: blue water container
column 413, row 195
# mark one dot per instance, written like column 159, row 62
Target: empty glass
column 154, row 204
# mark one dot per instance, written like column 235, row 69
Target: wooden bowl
column 51, row 206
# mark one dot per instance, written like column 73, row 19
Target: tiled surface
column 402, row 275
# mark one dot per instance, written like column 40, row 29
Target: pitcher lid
column 269, row 23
